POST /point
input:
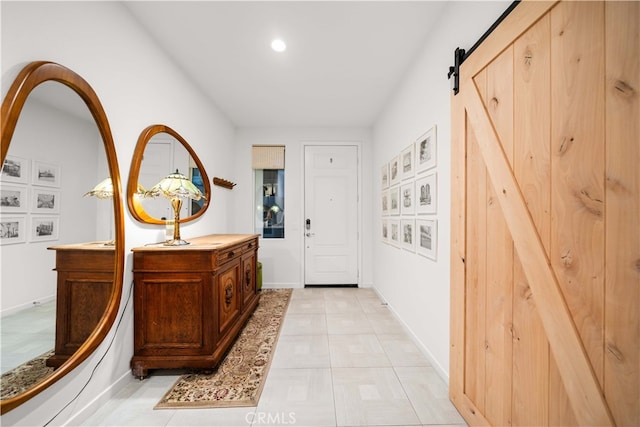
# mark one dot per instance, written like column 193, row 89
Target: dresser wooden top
column 88, row 246
column 202, row 243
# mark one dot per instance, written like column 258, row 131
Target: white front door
column 331, row 215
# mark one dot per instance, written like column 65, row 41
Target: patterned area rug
column 239, row 378
column 23, row 377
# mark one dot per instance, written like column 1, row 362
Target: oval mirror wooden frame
column 133, row 198
column 29, row 78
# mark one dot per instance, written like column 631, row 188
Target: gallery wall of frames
column 409, row 198
column 29, row 200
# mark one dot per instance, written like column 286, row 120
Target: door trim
column 325, row 143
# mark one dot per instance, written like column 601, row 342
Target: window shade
column 268, row 157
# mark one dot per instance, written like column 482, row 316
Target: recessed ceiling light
column 278, row 45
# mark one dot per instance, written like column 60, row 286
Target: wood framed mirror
column 161, row 150
column 56, row 142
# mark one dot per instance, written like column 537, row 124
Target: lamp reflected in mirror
column 104, row 190
column 176, row 187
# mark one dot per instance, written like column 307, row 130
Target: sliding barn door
column 545, row 254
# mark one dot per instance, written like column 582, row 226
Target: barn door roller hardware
column 458, row 57
column 460, row 54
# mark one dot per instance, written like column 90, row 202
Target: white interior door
column 331, row 215
column 156, row 164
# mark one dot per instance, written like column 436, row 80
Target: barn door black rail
column 460, row 55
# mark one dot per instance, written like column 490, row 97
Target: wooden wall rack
column 223, row 183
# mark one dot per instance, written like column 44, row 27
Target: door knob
column 310, row 234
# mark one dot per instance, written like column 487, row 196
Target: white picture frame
column 427, row 238
column 384, row 230
column 394, row 232
column 44, row 228
column 394, row 200
column 12, row 229
column 407, row 198
column 13, row 199
column 15, row 169
column 407, row 162
column 45, row 200
column 384, row 206
column 408, row 234
column 384, row 175
column 426, row 194
column 394, row 171
column 425, row 151
column 45, row 174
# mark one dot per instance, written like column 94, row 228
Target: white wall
column 416, row 288
column 138, row 86
column 283, row 259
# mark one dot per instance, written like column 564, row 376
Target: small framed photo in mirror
column 15, row 169
column 13, row 199
column 12, row 229
column 45, row 200
column 44, row 228
column 47, row 174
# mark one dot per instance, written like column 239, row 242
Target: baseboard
column 18, row 308
column 442, row 373
column 100, row 400
column 294, row 285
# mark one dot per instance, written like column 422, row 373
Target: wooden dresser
column 85, row 284
column 190, row 302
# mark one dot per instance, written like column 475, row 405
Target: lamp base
column 176, row 242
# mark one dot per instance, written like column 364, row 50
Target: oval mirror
column 160, row 151
column 62, row 250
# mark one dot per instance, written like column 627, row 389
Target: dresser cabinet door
column 169, row 315
column 228, row 296
column 248, row 278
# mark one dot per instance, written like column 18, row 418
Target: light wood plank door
column 545, row 252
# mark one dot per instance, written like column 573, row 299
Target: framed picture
column 385, row 230
column 15, row 169
column 47, row 174
column 44, row 228
column 394, row 171
column 385, row 202
column 394, row 232
column 427, row 237
column 44, row 200
column 407, row 199
column 407, row 162
column 13, row 199
column 426, row 194
column 394, row 200
column 426, row 151
column 408, row 234
column 12, row 230
column 385, row 176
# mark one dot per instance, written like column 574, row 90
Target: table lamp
column 103, row 190
column 176, row 187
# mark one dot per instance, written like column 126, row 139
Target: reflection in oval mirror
column 59, row 278
column 159, row 152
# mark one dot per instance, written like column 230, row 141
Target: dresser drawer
column 232, row 253
column 229, row 254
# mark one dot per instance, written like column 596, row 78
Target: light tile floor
column 26, row 335
column 342, row 359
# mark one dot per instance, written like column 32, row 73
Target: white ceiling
column 343, row 59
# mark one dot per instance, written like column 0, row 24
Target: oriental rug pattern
column 22, row 378
column 239, row 378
